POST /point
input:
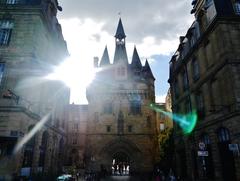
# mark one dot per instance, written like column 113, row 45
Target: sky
column 154, row 26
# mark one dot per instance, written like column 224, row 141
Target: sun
column 77, row 75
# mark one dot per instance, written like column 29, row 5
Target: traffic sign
column 202, row 153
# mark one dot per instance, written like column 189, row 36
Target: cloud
column 160, row 98
column 164, row 20
column 153, row 26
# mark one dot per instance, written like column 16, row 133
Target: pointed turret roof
column 136, row 62
column 120, row 31
column 148, row 71
column 120, row 55
column 105, row 58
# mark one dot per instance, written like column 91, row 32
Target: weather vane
column 119, row 14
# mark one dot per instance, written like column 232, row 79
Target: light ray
column 28, row 136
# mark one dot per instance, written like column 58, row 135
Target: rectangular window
column 11, row 1
column 195, row 69
column 6, row 27
column 75, row 126
column 200, row 105
column 237, row 7
column 176, row 89
column 2, row 65
column 121, row 71
column 74, row 141
column 108, row 108
column 187, row 106
column 5, row 31
column 130, row 128
column 162, row 126
column 184, row 80
column 108, row 128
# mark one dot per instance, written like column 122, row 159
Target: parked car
column 65, row 177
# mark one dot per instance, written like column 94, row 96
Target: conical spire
column 105, row 58
column 148, row 71
column 120, row 55
column 120, row 34
column 136, row 63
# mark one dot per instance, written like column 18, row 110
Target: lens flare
column 28, row 136
column 186, row 122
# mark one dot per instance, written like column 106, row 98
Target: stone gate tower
column 121, row 127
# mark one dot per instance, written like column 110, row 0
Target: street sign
column 202, row 153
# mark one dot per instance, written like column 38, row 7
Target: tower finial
column 120, row 31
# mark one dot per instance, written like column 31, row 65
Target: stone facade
column 121, row 127
column 204, row 76
column 31, row 44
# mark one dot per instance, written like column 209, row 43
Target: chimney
column 181, row 38
column 95, row 62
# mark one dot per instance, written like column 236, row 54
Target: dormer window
column 120, row 41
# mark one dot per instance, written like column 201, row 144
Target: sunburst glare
column 77, row 75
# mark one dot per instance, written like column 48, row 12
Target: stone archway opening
column 120, row 164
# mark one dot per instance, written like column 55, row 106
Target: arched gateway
column 120, row 156
column 121, row 128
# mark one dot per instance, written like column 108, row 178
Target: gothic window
column 195, row 69
column 108, row 108
column 2, row 65
column 6, row 27
column 223, row 135
column 120, row 123
column 135, row 107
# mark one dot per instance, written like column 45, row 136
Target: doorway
column 120, row 164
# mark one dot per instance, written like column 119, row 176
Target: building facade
column 204, row 76
column 121, row 127
column 31, row 44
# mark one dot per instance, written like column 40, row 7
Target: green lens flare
column 186, row 122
